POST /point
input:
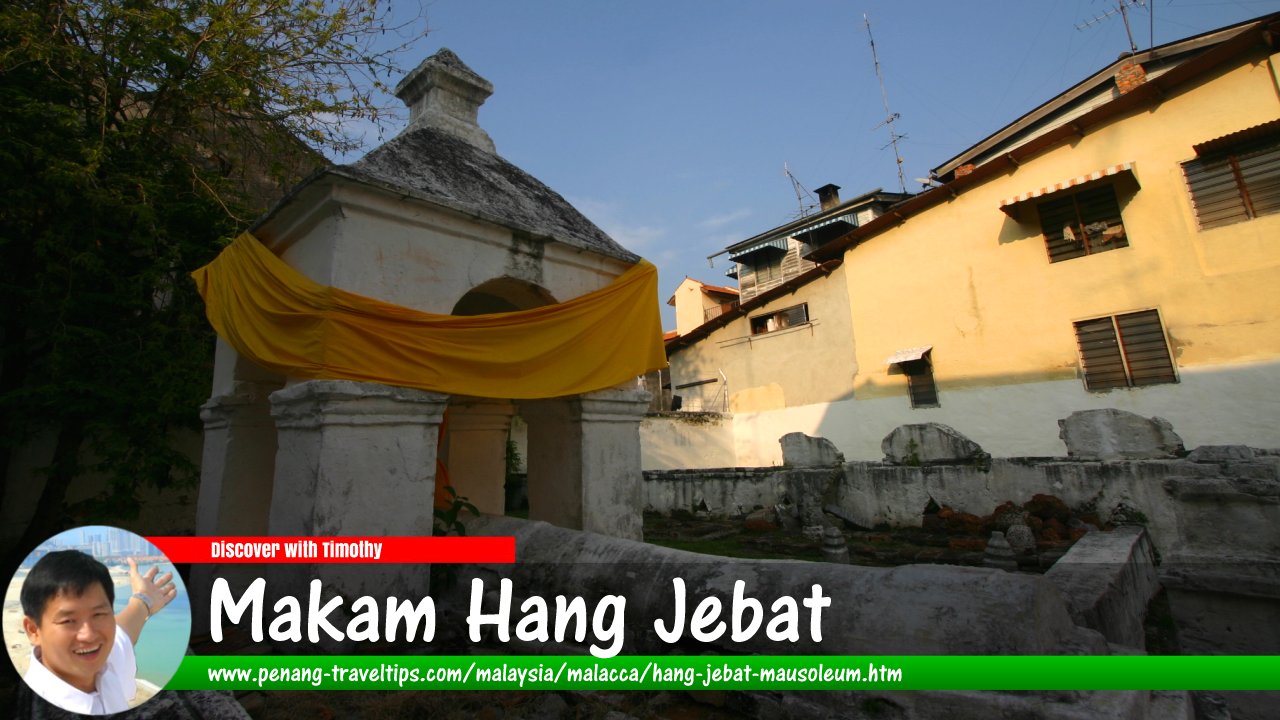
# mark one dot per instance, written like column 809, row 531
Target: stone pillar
column 236, row 470
column 355, row 459
column 238, row 462
column 477, row 451
column 584, row 461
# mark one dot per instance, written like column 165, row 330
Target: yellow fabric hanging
column 286, row 322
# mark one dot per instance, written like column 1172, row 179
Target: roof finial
column 444, row 94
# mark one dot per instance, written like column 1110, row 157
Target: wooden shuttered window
column 1082, row 223
column 1236, row 184
column 767, row 266
column 1124, row 351
column 795, row 315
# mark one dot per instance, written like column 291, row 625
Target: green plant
column 1124, row 514
column 136, row 140
column 446, row 520
column 513, row 459
column 913, row 453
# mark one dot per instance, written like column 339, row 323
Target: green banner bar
column 463, row 672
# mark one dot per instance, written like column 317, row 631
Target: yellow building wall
column 978, row 285
column 689, row 303
column 801, row 365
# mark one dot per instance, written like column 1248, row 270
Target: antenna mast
column 890, row 117
column 1122, row 9
column 801, row 191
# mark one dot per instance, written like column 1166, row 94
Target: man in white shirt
column 82, row 658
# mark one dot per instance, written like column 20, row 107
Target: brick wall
column 1130, row 76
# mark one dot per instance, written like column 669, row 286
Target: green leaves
column 447, row 519
column 136, row 138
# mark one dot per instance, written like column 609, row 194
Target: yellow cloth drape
column 286, row 322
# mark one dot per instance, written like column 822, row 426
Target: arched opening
column 504, row 294
column 481, row 433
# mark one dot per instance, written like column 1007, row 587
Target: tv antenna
column 1122, row 9
column 801, row 191
column 889, row 117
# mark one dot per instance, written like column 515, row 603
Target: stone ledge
column 1248, row 575
column 1108, row 578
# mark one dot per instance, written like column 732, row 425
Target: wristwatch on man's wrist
column 146, row 602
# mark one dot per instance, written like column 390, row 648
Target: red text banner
column 337, row 549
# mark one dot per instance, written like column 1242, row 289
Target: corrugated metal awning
column 849, row 217
column 1256, row 132
column 775, row 244
column 828, row 229
column 908, row 355
column 1065, row 184
column 819, row 231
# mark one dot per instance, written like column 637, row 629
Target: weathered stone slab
column 1112, row 434
column 929, row 444
column 800, row 450
column 1229, row 516
column 909, row 610
column 1108, row 578
column 1226, row 604
column 1221, row 454
column 808, row 490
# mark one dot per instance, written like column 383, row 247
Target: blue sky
column 668, row 123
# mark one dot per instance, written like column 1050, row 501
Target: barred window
column 1127, row 350
column 1082, row 223
column 920, row 384
column 796, row 315
column 917, row 364
column 1238, row 182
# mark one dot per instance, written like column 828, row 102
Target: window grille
column 790, row 317
column 1236, row 183
column 1127, row 350
column 1082, row 223
column 920, row 384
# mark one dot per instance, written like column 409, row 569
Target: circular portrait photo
column 96, row 620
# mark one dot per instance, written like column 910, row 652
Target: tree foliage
column 136, row 138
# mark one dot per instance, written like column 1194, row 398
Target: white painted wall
column 685, row 440
column 1237, row 404
column 416, row 254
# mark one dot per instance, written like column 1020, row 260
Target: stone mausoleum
column 435, row 221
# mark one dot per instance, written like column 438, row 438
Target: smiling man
column 82, row 654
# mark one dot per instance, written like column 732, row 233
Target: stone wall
column 1209, row 519
column 1217, row 500
column 1174, row 499
column 718, row 491
column 1163, row 495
